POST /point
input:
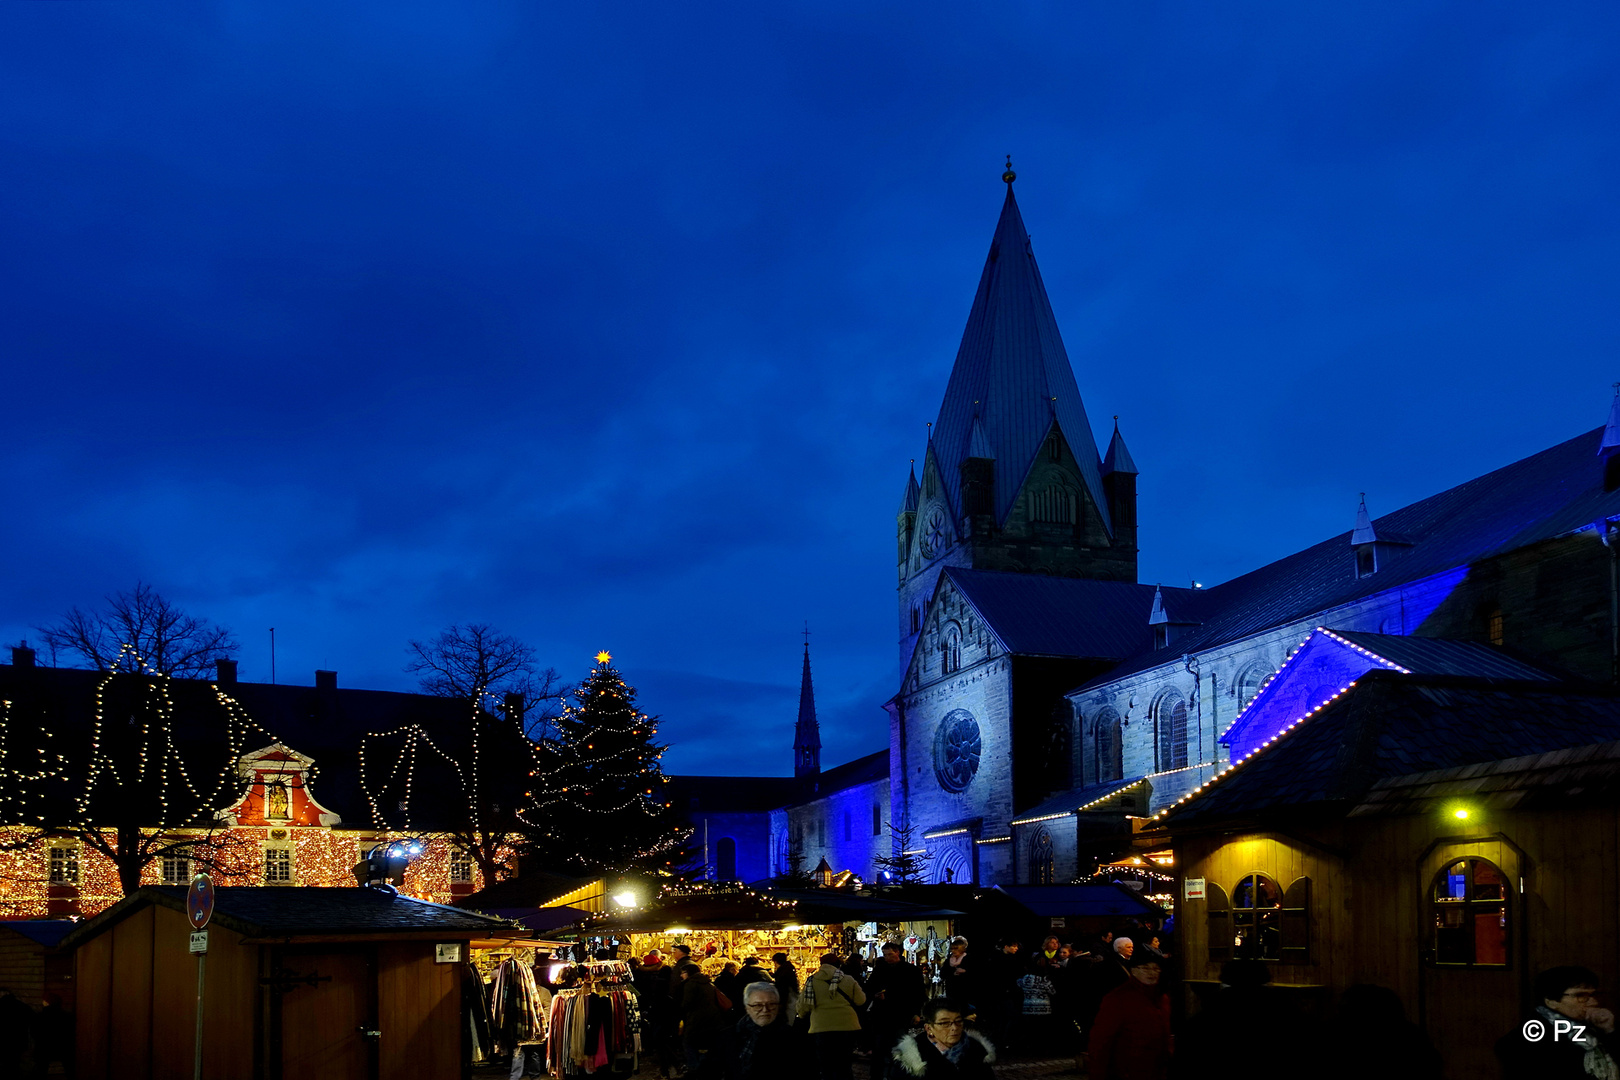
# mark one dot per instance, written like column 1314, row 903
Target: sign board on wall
column 1195, row 888
column 447, row 954
column 1059, row 922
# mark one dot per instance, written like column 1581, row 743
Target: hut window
column 176, row 870
column 461, row 865
column 65, row 864
column 1469, row 913
column 1257, row 918
column 278, row 865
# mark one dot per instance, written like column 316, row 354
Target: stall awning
column 761, row 910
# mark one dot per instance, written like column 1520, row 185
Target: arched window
column 1469, row 913
column 1040, row 859
column 1249, row 683
column 725, row 859
column 1257, row 906
column 1053, row 505
column 1170, row 732
column 1105, row 742
column 951, row 650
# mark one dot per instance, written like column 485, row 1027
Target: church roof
column 1034, row 615
column 1389, row 724
column 863, row 770
column 1548, row 494
column 1012, row 375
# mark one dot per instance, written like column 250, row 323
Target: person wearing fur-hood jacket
column 944, row 1049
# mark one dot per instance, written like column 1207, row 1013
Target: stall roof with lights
column 1082, row 901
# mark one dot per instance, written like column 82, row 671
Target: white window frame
column 68, row 855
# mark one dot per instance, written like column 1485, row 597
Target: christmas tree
column 599, row 802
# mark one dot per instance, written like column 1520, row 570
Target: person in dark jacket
column 652, row 982
column 16, row 1023
column 895, row 990
column 1131, row 1039
column 1370, row 1037
column 753, row 971
column 1001, row 999
column 786, row 979
column 1568, row 1035
column 957, row 971
column 730, row 983
column 761, row 1046
column 702, row 1020
column 944, row 1050
column 53, row 1037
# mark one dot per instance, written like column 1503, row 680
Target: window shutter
column 1218, row 913
column 1296, row 923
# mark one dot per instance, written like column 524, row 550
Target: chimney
column 514, row 709
column 224, row 671
column 22, row 656
column 325, row 680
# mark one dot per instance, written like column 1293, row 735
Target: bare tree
column 167, row 640
column 475, row 661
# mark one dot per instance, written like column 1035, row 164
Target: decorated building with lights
column 316, row 778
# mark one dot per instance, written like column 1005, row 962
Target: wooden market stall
column 334, row 983
column 31, row 963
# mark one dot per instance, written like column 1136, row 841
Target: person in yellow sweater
column 830, row 1000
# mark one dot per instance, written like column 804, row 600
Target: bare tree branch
column 169, row 641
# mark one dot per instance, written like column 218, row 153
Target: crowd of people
column 33, row 1039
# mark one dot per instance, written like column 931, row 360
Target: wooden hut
column 31, row 964
column 335, row 983
column 1389, row 838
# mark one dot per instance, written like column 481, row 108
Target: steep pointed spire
column 1158, row 614
column 1013, row 377
column 1118, row 459
column 1364, row 534
column 1611, row 431
column 913, row 493
column 807, row 735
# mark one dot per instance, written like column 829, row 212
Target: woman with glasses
column 945, row 1049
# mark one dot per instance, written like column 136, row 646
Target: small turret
column 1365, row 541
column 1119, row 485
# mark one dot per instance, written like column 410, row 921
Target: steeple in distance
column 807, row 734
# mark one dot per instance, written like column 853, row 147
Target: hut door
column 324, row 1025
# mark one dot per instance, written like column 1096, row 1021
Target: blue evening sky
column 616, row 326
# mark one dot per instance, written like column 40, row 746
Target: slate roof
column 1559, row 780
column 1390, row 724
column 731, row 794
column 1081, row 901
column 1075, row 798
column 1033, row 615
column 1547, row 494
column 530, row 889
column 863, row 770
column 1012, row 373
column 46, row 932
column 294, row 912
column 324, row 724
column 1446, row 656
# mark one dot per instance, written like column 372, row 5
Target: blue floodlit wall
column 840, row 828
column 1321, row 668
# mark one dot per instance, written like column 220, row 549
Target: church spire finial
column 807, row 734
column 1009, row 176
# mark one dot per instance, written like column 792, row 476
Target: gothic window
column 1469, row 915
column 1054, row 505
column 1106, row 756
column 1040, row 859
column 916, row 618
column 877, row 819
column 176, row 869
column 951, row 651
column 1493, row 626
column 1054, row 448
column 65, row 864
column 461, row 865
column 1170, row 732
column 957, row 747
column 821, row 831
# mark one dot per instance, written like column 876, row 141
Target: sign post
column 199, row 909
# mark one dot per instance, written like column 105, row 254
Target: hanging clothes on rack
column 596, row 1026
column 521, row 1007
column 475, row 1015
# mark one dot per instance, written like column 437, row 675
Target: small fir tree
column 905, row 866
column 599, row 802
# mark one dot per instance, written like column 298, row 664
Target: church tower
column 1011, row 478
column 807, row 735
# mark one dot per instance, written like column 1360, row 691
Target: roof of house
column 863, row 770
column 307, row 911
column 1034, row 615
column 530, row 889
column 1446, row 656
column 1088, row 796
column 1012, row 379
column 1576, row 776
column 1547, row 494
column 1392, row 724
column 46, row 932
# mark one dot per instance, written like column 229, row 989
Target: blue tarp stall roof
column 1446, row 656
column 1012, row 375
column 1081, row 901
column 1075, row 798
column 46, row 932
column 1548, row 494
column 1034, row 615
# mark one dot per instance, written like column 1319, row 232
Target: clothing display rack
column 596, row 1026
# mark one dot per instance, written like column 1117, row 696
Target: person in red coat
column 1131, row 1038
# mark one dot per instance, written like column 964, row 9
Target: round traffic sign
column 200, row 901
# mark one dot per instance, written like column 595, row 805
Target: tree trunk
column 131, row 859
